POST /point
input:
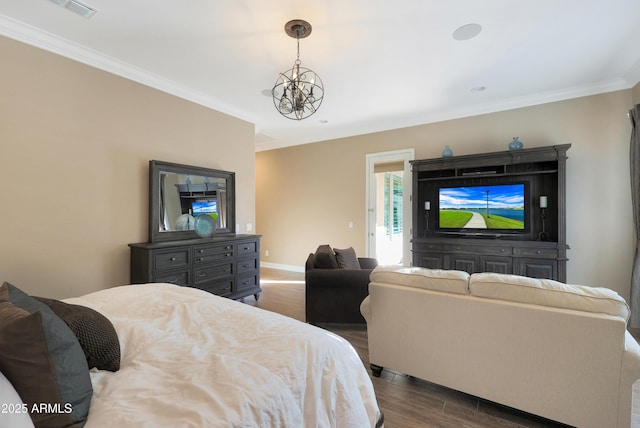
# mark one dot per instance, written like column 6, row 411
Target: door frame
column 404, row 155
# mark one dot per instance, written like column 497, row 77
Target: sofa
column 336, row 281
column 555, row 350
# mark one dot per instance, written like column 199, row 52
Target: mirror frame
column 155, row 169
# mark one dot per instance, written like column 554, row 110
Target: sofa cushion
column 450, row 281
column 546, row 292
column 325, row 258
column 347, row 258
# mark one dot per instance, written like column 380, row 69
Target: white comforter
column 192, row 359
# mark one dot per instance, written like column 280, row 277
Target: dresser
column 226, row 265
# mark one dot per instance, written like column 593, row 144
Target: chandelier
column 298, row 91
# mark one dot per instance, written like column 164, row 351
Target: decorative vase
column 447, row 152
column 515, row 144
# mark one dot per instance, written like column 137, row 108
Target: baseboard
column 291, row 268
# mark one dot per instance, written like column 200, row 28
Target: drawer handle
column 202, row 275
column 200, row 259
column 247, row 248
column 173, row 281
column 502, row 250
column 228, row 247
column 201, row 251
column 228, row 255
column 173, row 259
column 538, row 252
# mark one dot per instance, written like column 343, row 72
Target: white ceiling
column 384, row 64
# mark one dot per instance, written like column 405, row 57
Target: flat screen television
column 488, row 209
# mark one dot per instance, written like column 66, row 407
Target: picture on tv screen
column 204, row 207
column 491, row 207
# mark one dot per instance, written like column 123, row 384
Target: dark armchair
column 335, row 285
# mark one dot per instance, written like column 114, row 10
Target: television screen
column 489, row 207
column 203, row 207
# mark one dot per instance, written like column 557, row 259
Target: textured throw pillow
column 94, row 331
column 43, row 360
column 325, row 258
column 347, row 258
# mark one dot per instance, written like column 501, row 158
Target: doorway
column 389, row 206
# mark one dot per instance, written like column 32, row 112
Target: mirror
column 180, row 193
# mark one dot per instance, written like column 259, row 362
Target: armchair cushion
column 347, row 258
column 325, row 258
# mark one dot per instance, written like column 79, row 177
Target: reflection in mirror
column 184, row 197
column 180, row 193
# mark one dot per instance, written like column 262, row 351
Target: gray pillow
column 325, row 258
column 347, row 258
column 43, row 360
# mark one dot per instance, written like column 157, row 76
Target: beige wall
column 636, row 94
column 306, row 195
column 75, row 146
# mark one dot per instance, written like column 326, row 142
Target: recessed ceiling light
column 478, row 88
column 266, row 92
column 323, row 121
column 467, row 32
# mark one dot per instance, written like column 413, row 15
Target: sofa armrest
column 367, row 262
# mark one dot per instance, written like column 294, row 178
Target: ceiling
column 384, row 64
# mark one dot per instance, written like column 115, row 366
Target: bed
column 192, row 359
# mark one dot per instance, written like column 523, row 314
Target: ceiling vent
column 75, row 6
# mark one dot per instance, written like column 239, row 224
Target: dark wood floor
column 405, row 401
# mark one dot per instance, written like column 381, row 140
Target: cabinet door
column 538, row 268
column 496, row 264
column 465, row 262
column 428, row 260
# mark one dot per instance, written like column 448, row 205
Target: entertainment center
column 501, row 212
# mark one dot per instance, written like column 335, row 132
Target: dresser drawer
column 536, row 252
column 220, row 288
column 243, row 266
column 212, row 254
column 246, row 248
column 173, row 259
column 498, row 250
column 178, row 278
column 209, row 273
column 250, row 281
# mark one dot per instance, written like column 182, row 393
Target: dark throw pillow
column 41, row 357
column 325, row 258
column 94, row 331
column 347, row 258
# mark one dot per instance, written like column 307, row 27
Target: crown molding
column 36, row 37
